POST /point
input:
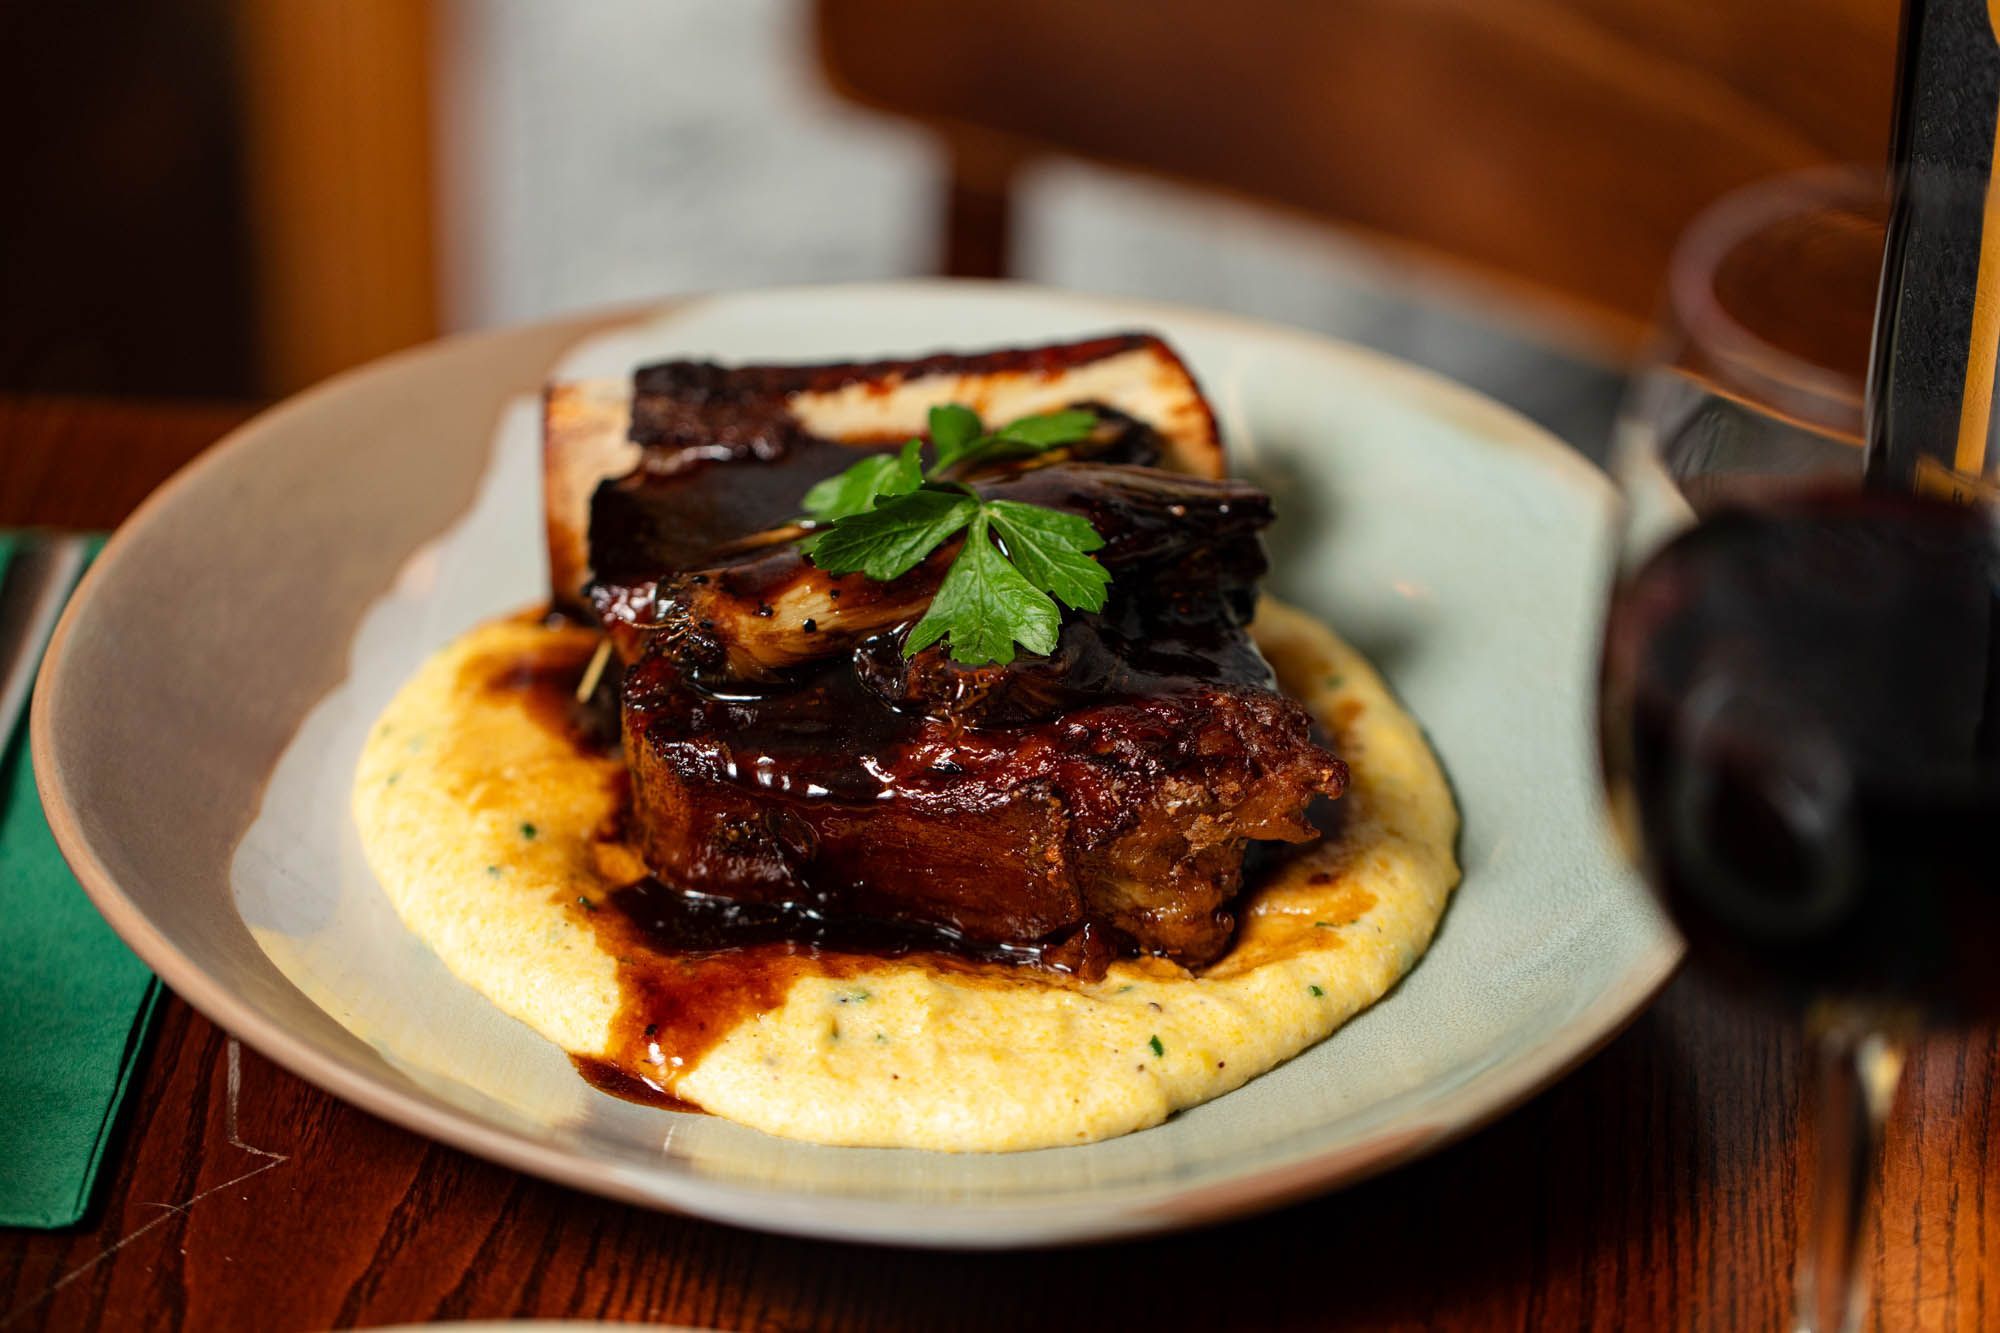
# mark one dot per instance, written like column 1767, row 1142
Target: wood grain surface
column 1656, row 1187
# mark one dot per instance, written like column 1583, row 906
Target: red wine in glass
column 1799, row 703
column 1801, row 726
column 1800, row 722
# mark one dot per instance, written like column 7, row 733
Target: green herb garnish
column 1316, row 990
column 884, row 515
column 528, row 831
column 855, row 490
column 1154, row 1042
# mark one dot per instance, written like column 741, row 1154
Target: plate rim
column 1101, row 1215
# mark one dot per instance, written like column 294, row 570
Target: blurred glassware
column 1800, row 705
column 1761, row 365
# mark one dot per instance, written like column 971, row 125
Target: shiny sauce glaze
column 860, row 725
column 692, row 966
column 783, row 755
column 850, row 728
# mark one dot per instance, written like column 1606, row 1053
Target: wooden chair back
column 1557, row 146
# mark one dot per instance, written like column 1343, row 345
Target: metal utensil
column 38, row 581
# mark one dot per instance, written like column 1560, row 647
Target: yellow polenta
column 483, row 825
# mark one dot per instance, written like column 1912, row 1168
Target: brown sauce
column 648, row 521
column 545, row 680
column 684, row 922
column 675, row 1007
column 693, row 967
column 610, row 1078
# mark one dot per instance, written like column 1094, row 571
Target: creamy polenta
column 495, row 835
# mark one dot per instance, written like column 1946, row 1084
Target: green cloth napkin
column 74, row 1009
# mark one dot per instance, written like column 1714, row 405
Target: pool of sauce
column 607, row 1077
column 693, row 966
column 545, row 681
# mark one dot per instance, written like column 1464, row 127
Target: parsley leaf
column 1047, row 431
column 954, row 429
column 856, row 490
column 884, row 515
column 985, row 606
column 1048, row 546
column 893, row 538
column 1022, row 437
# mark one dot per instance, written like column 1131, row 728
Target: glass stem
column 1860, row 1063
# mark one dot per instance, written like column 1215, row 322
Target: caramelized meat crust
column 1094, row 802
column 1131, row 817
column 788, row 760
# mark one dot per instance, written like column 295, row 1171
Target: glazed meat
column 701, row 454
column 1092, row 802
column 786, row 756
column 770, row 609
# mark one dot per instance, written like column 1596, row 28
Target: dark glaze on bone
column 767, row 607
column 692, row 966
column 680, row 405
column 810, row 802
column 724, row 462
column 672, row 518
column 1113, row 784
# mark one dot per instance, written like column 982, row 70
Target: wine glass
column 1800, row 702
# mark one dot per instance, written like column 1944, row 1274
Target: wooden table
column 1656, row 1187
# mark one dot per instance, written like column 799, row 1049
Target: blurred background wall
column 123, row 228
column 616, row 149
column 231, row 198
